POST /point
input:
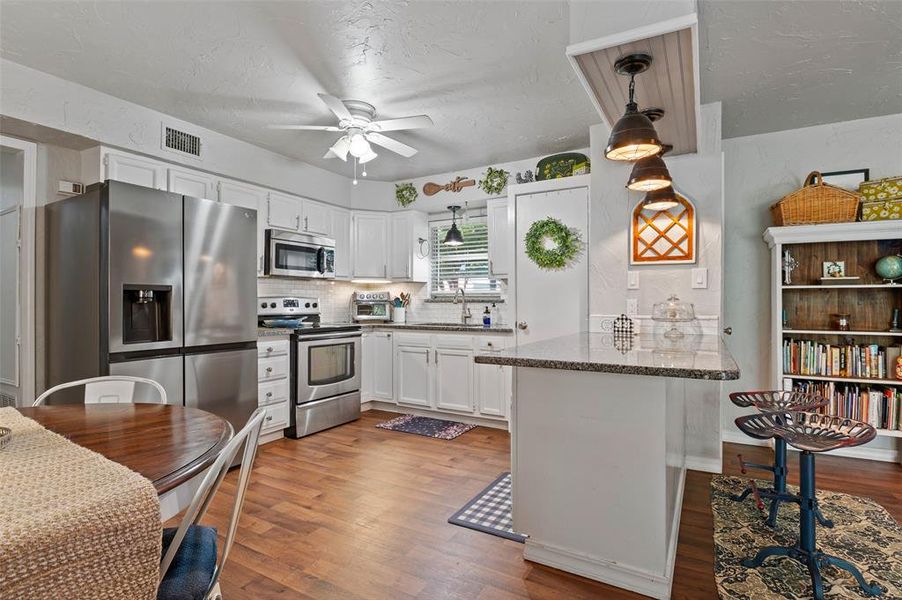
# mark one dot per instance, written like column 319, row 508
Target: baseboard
column 675, row 532
column 436, row 414
column 705, row 464
column 612, row 573
column 737, row 437
column 271, row 437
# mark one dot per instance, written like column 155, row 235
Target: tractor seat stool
column 809, row 432
column 775, row 401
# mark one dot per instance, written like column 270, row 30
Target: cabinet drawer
column 275, row 391
column 456, row 341
column 271, row 347
column 277, row 416
column 490, row 344
column 272, row 368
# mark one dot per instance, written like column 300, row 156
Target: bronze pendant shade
column 453, row 237
column 662, row 199
column 633, row 136
column 649, row 174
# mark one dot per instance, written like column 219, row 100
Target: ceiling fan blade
column 337, row 106
column 306, row 127
column 390, row 144
column 414, row 122
column 340, row 148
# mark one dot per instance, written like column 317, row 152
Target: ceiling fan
column 355, row 121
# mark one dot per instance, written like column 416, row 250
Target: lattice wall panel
column 665, row 235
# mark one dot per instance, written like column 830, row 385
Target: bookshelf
column 809, row 306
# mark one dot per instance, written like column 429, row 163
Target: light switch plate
column 700, row 279
column 632, row 307
column 632, row 280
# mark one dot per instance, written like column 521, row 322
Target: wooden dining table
column 169, row 445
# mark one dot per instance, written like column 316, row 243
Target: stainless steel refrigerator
column 154, row 284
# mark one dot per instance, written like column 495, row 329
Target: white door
column 551, row 303
column 247, row 196
column 18, row 165
column 192, row 183
column 413, row 375
column 317, row 218
column 341, row 233
column 493, row 389
column 383, row 373
column 454, row 379
column 370, row 237
column 501, row 243
column 284, row 212
column 136, row 169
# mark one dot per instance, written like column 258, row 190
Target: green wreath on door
column 552, row 245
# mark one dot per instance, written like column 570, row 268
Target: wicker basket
column 816, row 202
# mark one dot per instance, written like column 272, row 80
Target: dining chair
column 109, row 389
column 191, row 565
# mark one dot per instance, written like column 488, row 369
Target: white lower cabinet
column 413, row 372
column 377, row 376
column 273, row 383
column 453, row 375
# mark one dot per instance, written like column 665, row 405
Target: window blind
column 452, row 265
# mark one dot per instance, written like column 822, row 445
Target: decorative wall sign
column 405, row 193
column 494, row 181
column 431, row 189
column 552, row 245
column 664, row 236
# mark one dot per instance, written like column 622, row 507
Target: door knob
column 522, row 325
column 728, row 330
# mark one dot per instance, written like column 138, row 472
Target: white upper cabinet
column 191, row 183
column 341, row 232
column 247, row 196
column 369, row 241
column 501, row 238
column 317, row 218
column 408, row 259
column 135, row 169
column 284, row 212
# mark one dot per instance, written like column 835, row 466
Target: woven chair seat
column 778, row 400
column 809, row 431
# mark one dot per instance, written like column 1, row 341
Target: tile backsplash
column 335, row 298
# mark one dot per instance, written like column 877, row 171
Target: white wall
column 37, row 97
column 759, row 170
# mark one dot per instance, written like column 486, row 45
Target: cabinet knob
column 728, row 330
column 269, row 369
column 269, row 418
column 269, row 394
column 269, row 349
column 522, row 325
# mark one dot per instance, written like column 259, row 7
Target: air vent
column 182, row 142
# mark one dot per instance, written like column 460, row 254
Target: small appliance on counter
column 371, row 306
column 325, row 364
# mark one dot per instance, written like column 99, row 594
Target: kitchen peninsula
column 598, row 450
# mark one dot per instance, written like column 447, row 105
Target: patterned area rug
column 490, row 511
column 864, row 534
column 434, row 428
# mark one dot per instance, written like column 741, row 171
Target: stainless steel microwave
column 298, row 255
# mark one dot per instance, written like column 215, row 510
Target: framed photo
column 835, row 268
column 847, row 180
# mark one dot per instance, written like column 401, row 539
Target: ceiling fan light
column 359, row 147
column 340, row 148
column 649, row 174
column 633, row 137
column 662, row 199
column 367, row 157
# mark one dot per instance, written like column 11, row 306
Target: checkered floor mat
column 490, row 511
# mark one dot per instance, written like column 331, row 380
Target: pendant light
column 650, row 173
column 658, row 200
column 633, row 136
column 453, row 237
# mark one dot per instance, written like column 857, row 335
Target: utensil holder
column 399, row 315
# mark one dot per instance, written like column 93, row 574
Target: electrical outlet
column 632, row 307
column 700, row 279
column 632, row 280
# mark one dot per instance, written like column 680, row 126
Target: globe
column 889, row 267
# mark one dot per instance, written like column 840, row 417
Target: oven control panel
column 280, row 305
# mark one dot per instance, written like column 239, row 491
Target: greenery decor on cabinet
column 494, row 181
column 405, row 193
column 552, row 245
column 562, row 165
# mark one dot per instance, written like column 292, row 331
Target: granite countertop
column 436, row 326
column 692, row 357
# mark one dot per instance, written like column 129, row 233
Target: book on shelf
column 880, row 406
column 859, row 361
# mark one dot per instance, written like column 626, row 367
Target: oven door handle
column 328, row 336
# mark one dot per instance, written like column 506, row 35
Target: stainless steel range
column 325, row 364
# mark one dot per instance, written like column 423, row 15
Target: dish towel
column 73, row 524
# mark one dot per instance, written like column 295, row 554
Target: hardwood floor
column 360, row 512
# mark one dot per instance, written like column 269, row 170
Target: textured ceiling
column 492, row 75
column 783, row 65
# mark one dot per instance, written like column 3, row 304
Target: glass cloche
column 673, row 311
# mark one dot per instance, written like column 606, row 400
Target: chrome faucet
column 464, row 309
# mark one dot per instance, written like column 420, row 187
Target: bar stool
column 809, row 432
column 775, row 401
